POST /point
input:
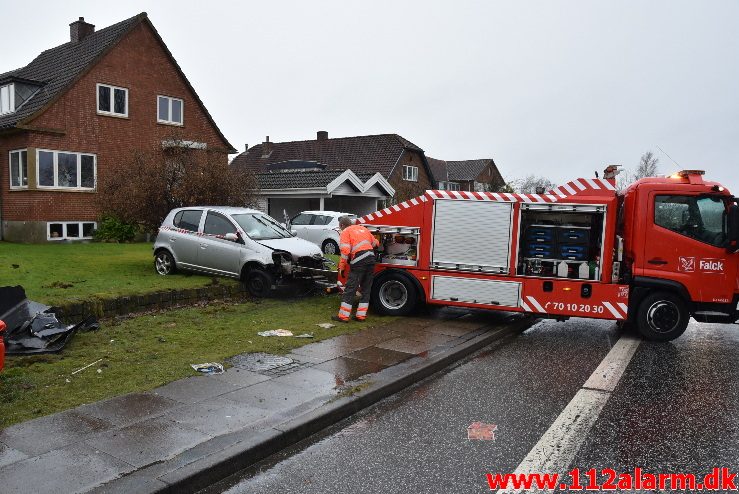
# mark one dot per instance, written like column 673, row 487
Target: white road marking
column 560, row 443
column 609, row 372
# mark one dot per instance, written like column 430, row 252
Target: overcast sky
column 555, row 88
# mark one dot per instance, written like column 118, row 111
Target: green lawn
column 56, row 273
column 147, row 351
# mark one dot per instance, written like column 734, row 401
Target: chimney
column 266, row 147
column 246, row 147
column 79, row 30
column 322, row 135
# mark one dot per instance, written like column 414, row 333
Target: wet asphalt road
column 676, row 408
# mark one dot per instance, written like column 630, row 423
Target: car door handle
column 657, row 261
column 203, row 246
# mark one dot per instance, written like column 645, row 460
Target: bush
column 113, row 229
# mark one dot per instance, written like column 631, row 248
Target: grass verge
column 58, row 273
column 144, row 352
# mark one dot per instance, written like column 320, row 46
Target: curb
column 221, row 462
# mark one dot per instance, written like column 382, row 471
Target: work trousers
column 360, row 277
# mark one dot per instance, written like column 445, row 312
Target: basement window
column 170, row 110
column 18, row 169
column 112, row 100
column 410, row 173
column 71, row 230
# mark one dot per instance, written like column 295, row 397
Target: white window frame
column 410, row 173
column 20, row 172
column 64, row 230
column 56, row 152
column 110, row 113
column 449, row 186
column 169, row 110
column 11, row 99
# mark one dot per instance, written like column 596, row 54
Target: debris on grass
column 34, row 327
column 87, row 366
column 276, row 332
column 284, row 332
column 326, row 325
column 208, row 368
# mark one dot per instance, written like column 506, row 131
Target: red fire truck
column 653, row 255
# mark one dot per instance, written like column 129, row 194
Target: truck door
column 685, row 241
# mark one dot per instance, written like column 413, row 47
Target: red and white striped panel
column 416, row 201
column 581, row 186
column 619, row 309
column 532, row 305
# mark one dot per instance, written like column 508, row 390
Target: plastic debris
column 85, row 367
column 276, row 332
column 326, row 325
column 304, row 335
column 33, row 327
column 208, row 368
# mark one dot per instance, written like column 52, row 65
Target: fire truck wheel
column 394, row 294
column 259, row 282
column 662, row 316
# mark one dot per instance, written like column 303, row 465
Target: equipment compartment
column 561, row 241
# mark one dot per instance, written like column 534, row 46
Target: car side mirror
column 733, row 225
column 293, row 233
column 232, row 237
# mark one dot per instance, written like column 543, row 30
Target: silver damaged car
column 240, row 243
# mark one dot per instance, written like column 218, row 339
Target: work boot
column 338, row 319
column 355, row 318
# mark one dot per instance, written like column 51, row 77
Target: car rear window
column 188, row 219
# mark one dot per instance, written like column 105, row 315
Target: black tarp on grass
column 33, row 327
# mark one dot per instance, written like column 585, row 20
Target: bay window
column 65, row 170
column 19, row 169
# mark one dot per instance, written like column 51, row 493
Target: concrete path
column 197, row 430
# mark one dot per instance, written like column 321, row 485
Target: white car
column 319, row 227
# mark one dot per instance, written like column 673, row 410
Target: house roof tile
column 468, row 169
column 362, row 154
column 296, row 180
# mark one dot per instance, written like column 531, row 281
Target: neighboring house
column 353, row 174
column 470, row 175
column 76, row 111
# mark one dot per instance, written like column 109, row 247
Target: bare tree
column 406, row 190
column 151, row 182
column 531, row 183
column 647, row 166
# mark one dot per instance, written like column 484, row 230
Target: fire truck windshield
column 700, row 217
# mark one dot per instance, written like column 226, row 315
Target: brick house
column 469, row 175
column 75, row 111
column 302, row 175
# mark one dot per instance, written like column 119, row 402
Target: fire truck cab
column 653, row 255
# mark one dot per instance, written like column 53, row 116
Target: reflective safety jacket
column 356, row 243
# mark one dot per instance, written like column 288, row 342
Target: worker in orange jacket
column 357, row 245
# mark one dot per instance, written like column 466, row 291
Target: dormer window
column 112, row 100
column 169, row 110
column 7, row 99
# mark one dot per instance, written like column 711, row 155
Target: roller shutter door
column 472, row 235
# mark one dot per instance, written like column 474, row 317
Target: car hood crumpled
column 295, row 246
